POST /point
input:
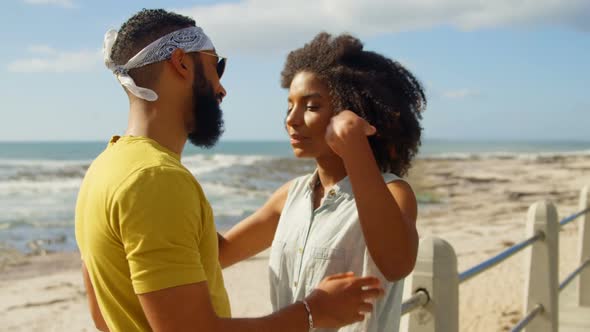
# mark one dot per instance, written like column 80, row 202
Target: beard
column 207, row 115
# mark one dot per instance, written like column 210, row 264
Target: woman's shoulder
column 391, row 177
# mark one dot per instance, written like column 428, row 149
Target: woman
column 357, row 114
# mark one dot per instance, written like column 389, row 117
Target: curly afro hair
column 376, row 88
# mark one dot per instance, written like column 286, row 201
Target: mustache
column 219, row 97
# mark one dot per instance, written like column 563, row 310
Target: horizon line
column 270, row 140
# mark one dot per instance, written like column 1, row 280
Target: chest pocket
column 322, row 263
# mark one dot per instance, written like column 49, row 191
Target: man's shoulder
column 164, row 177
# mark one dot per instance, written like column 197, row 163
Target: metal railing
column 574, row 274
column 499, row 258
column 502, row 256
column 528, row 318
column 419, row 299
column 422, row 296
column 573, row 217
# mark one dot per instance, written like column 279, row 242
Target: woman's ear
column 393, row 152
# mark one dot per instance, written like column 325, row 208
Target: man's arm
column 99, row 322
column 339, row 300
column 255, row 233
column 168, row 274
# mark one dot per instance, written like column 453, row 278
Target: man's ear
column 178, row 60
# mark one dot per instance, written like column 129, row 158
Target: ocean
column 39, row 181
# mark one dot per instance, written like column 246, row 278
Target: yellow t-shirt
column 143, row 224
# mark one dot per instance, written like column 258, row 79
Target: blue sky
column 493, row 70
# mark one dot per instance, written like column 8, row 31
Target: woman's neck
column 330, row 170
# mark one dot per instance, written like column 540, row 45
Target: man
column 143, row 225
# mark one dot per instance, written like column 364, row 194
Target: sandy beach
column 477, row 204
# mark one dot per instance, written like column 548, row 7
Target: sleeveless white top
column 310, row 245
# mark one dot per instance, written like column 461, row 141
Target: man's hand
column 345, row 129
column 342, row 299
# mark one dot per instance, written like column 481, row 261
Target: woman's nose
column 294, row 117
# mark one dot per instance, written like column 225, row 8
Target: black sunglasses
column 220, row 62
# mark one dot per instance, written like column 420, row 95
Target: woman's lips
column 298, row 139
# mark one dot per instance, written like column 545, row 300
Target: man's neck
column 147, row 120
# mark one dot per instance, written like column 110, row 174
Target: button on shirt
column 312, row 244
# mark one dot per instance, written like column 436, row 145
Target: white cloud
column 460, row 93
column 41, row 49
column 264, row 25
column 60, row 3
column 47, row 59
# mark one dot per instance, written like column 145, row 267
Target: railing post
column 541, row 263
column 435, row 272
column 584, row 249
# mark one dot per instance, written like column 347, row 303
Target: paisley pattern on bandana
column 183, row 39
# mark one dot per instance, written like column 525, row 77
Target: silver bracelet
column 309, row 316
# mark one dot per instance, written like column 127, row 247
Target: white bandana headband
column 190, row 39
